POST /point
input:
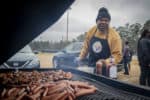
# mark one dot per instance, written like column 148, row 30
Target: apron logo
column 97, row 47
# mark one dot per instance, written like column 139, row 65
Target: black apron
column 98, row 49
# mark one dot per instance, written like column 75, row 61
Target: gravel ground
column 133, row 77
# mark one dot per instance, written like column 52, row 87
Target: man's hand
column 102, row 61
column 99, row 66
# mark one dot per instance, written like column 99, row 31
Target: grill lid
column 27, row 20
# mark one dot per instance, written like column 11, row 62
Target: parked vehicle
column 67, row 56
column 25, row 58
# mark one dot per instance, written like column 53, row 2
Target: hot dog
column 35, row 96
column 3, row 93
column 56, row 88
column 71, row 93
column 70, row 98
column 37, row 89
column 84, row 92
column 10, row 91
column 21, row 91
column 60, row 95
column 45, row 92
column 50, row 97
column 65, row 97
column 21, row 96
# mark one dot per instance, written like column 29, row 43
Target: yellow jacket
column 114, row 41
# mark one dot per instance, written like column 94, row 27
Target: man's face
column 103, row 24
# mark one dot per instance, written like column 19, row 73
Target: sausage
column 56, row 88
column 64, row 97
column 9, row 98
column 87, row 86
column 21, row 91
column 50, row 97
column 28, row 88
column 37, row 89
column 35, row 96
column 76, row 89
column 21, row 96
column 25, row 77
column 49, row 84
column 33, row 87
column 10, row 91
column 82, row 84
column 45, row 92
column 70, row 88
column 84, row 92
column 60, row 95
column 68, row 75
column 3, row 93
column 16, row 92
column 70, row 98
column 71, row 93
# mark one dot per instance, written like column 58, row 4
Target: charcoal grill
column 108, row 89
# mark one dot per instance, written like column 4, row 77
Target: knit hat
column 103, row 13
column 146, row 27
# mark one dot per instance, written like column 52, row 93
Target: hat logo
column 97, row 47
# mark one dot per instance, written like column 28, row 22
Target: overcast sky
column 83, row 13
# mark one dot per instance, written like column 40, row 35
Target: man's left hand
column 102, row 61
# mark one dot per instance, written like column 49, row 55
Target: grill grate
column 99, row 96
column 104, row 96
column 106, row 92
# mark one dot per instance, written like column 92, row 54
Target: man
column 102, row 42
column 126, row 58
column 143, row 52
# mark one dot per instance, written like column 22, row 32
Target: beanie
column 103, row 13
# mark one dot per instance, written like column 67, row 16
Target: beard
column 103, row 28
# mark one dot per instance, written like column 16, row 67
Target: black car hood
column 22, row 57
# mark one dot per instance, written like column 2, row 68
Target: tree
column 81, row 37
column 130, row 33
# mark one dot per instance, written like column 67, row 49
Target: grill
column 107, row 89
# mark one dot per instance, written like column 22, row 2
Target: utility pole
column 67, row 22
